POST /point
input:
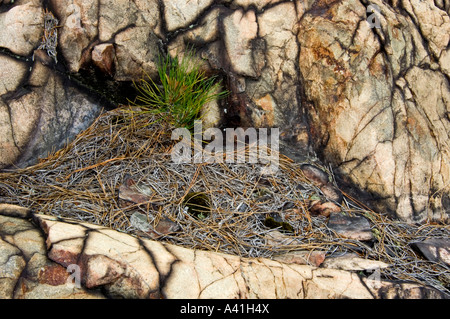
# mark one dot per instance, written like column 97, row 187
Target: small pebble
column 314, row 174
column 332, row 193
column 324, row 209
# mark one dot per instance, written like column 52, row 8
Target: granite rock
column 65, row 258
column 353, row 227
column 363, row 84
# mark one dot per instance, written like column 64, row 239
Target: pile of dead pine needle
column 82, row 182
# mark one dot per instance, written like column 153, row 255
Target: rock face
column 44, row 114
column 39, row 109
column 381, row 100
column 22, row 27
column 25, row 270
column 89, row 261
column 363, row 83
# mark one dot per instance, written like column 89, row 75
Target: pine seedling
column 181, row 93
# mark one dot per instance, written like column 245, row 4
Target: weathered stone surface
column 386, row 290
column 131, row 57
column 22, row 27
column 11, row 266
column 14, row 211
column 240, row 31
column 127, row 267
column 314, row 258
column 180, row 14
column 376, row 99
column 39, row 112
column 372, row 100
column 103, row 56
column 41, row 117
column 380, row 102
column 12, row 72
column 353, row 262
column 25, row 270
column 276, row 92
column 79, row 26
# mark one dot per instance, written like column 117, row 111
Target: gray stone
column 435, row 249
column 140, row 221
column 353, row 227
column 180, row 14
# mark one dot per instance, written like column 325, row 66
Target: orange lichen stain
column 395, row 33
column 267, row 104
column 323, row 53
column 414, row 127
column 53, row 275
column 341, row 72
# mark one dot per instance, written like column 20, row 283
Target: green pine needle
column 181, row 93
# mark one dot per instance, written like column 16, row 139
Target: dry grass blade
column 82, row 181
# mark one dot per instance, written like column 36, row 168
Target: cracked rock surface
column 47, row 257
column 388, row 88
column 39, row 109
column 373, row 100
column 25, row 270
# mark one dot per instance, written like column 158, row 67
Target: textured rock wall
column 39, row 109
column 364, row 83
column 381, row 100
